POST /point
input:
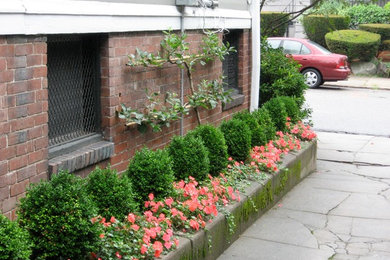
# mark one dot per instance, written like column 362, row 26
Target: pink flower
column 194, row 224
column 158, row 248
column 151, row 196
column 135, row 227
column 169, row 201
column 131, row 218
column 101, row 235
column 112, row 219
column 143, row 249
column 118, row 255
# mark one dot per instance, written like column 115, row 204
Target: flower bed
column 215, row 209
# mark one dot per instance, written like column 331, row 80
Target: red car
column 318, row 64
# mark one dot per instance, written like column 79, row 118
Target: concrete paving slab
column 373, row 158
column 270, row 227
column 334, row 155
column 340, row 225
column 381, row 246
column 267, row 250
column 358, row 248
column 372, row 228
column 353, row 186
column 380, row 172
column 311, row 220
column 364, row 206
column 377, row 145
column 377, row 255
column 307, row 199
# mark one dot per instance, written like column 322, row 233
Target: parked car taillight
column 342, row 64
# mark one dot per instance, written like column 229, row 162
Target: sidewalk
column 362, row 82
column 341, row 211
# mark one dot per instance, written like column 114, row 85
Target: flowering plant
column 193, row 204
column 301, row 131
column 137, row 237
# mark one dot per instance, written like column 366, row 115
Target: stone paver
column 341, row 211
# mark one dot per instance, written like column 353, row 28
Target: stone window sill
column 238, row 99
column 82, row 156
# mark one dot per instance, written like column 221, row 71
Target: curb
column 255, row 201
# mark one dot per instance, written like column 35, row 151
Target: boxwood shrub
column 382, row 29
column 280, row 76
column 258, row 133
column 355, row 44
column 292, row 108
column 113, row 195
column 317, row 26
column 364, row 14
column 215, row 143
column 238, row 139
column 270, row 19
column 277, row 111
column 151, row 172
column 57, row 214
column 263, row 117
column 15, row 242
column 190, row 157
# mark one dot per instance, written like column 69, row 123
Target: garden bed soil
column 255, row 201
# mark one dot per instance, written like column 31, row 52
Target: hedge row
column 269, row 20
column 317, row 26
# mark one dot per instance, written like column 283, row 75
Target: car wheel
column 312, row 78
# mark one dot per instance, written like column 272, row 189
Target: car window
column 305, row 50
column 320, row 48
column 291, row 47
column 274, row 43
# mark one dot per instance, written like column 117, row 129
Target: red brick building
column 63, row 77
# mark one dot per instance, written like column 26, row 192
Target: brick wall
column 24, row 104
column 121, row 84
column 23, row 117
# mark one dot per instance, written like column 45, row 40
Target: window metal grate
column 73, row 87
column 230, row 63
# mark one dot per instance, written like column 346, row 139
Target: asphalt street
column 350, row 110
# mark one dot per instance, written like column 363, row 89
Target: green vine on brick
column 175, row 50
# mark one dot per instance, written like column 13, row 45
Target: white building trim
column 30, row 17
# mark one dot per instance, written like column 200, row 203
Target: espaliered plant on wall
column 159, row 111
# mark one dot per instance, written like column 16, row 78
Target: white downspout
column 255, row 83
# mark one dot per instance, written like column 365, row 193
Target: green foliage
column 364, row 14
column 238, row 139
column 278, row 113
column 15, row 242
column 113, row 195
column 258, row 133
column 329, row 7
column 354, row 43
column 387, row 6
column 215, row 143
column 269, row 20
column 382, row 29
column 292, row 108
column 280, row 76
column 57, row 214
column 386, row 45
column 176, row 51
column 190, row 157
column 264, row 119
column 316, row 26
column 151, row 172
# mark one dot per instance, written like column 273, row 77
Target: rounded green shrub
column 215, row 143
column 15, row 242
column 364, row 14
column 269, row 19
column 355, row 44
column 57, row 214
column 258, row 133
column 280, row 76
column 382, row 29
column 277, row 111
column 316, row 26
column 113, row 195
column 264, row 119
column 292, row 108
column 238, row 139
column 190, row 157
column 151, row 172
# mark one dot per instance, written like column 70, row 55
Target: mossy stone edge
column 215, row 239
